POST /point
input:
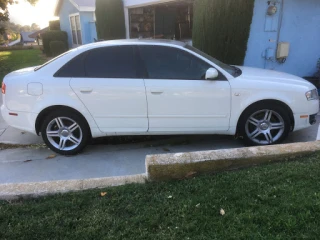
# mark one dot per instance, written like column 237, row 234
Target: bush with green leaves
column 50, row 36
column 57, row 48
column 54, row 25
column 221, row 28
column 110, row 21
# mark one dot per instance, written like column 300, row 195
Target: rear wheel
column 264, row 124
column 65, row 132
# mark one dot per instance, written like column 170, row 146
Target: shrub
column 110, row 21
column 54, row 25
column 57, row 48
column 221, row 28
column 50, row 36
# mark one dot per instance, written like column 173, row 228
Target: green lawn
column 17, row 59
column 278, row 201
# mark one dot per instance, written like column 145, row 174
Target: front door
column 179, row 98
column 111, row 91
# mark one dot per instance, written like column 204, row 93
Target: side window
column 111, row 62
column 172, row 63
column 74, row 68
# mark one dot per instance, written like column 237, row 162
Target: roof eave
column 57, row 8
column 80, row 8
column 87, row 9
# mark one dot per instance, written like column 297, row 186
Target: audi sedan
column 148, row 87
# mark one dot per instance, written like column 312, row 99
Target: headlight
column 312, row 95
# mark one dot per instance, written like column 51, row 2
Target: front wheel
column 65, row 132
column 265, row 124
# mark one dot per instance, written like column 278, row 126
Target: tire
column 65, row 132
column 264, row 124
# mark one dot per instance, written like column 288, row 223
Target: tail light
column 3, row 88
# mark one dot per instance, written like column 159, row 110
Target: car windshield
column 52, row 60
column 234, row 71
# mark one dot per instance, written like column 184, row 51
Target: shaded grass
column 278, row 201
column 17, row 59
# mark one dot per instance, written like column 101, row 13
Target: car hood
column 257, row 74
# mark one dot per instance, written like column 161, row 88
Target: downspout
column 280, row 26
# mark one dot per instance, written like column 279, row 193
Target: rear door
column 110, row 89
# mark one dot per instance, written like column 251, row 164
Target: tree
column 35, row 27
column 4, row 13
column 221, row 28
column 110, row 19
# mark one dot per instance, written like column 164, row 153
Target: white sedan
column 146, row 87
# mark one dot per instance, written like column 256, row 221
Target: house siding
column 300, row 27
column 66, row 9
column 88, row 27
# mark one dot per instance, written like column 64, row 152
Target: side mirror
column 212, row 74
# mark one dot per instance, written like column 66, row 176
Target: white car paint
column 117, row 105
column 146, row 106
column 173, row 106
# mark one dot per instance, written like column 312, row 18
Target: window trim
column 82, row 33
column 140, row 59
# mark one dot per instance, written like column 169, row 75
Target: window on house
column 76, row 29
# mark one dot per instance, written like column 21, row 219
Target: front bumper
column 23, row 121
column 313, row 119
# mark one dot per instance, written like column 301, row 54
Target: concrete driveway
column 102, row 159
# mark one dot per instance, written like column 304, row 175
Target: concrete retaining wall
column 178, row 166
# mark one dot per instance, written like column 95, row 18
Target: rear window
column 74, row 68
column 54, row 59
column 105, row 62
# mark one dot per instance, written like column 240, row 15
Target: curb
column 182, row 165
column 13, row 191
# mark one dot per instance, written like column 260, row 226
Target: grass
column 17, row 59
column 278, row 201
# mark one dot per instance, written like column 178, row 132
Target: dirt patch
column 4, row 146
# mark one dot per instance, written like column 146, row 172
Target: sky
column 25, row 14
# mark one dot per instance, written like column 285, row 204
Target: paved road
column 102, row 159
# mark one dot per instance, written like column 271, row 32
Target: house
column 284, row 34
column 25, row 39
column 37, row 35
column 77, row 18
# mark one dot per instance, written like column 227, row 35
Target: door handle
column 156, row 92
column 86, row 90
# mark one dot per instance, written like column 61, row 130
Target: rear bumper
column 23, row 121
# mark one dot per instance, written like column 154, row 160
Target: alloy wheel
column 64, row 133
column 265, row 127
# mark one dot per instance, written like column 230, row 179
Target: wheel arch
column 267, row 101
column 41, row 116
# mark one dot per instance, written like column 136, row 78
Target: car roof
column 163, row 42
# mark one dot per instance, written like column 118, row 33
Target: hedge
column 57, row 48
column 110, row 21
column 54, row 25
column 221, row 28
column 50, row 36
